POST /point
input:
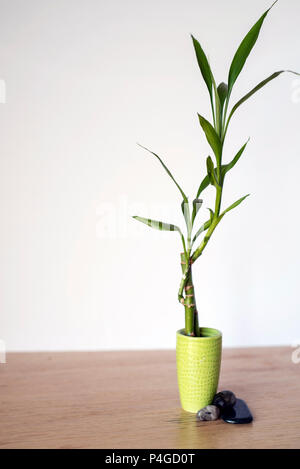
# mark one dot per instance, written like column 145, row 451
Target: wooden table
column 130, row 400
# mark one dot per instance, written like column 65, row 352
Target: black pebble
column 239, row 413
column 224, row 399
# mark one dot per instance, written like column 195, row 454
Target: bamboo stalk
column 215, row 134
column 191, row 313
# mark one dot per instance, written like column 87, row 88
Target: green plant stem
column 224, row 123
column 219, row 189
column 218, row 201
column 191, row 313
column 216, row 220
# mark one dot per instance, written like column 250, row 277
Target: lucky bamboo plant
column 215, row 133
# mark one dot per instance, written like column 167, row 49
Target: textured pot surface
column 198, row 367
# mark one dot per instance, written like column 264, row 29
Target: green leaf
column 229, row 166
column 244, row 50
column 204, row 184
column 222, row 93
column 212, row 137
column 211, row 213
column 238, row 202
column 203, row 228
column 168, row 172
column 257, row 88
column 186, row 213
column 197, row 204
column 211, row 171
column 203, row 65
column 158, row 225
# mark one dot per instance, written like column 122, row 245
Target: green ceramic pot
column 198, row 367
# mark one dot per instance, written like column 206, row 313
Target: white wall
column 86, row 80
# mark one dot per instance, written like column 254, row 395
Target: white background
column 85, row 81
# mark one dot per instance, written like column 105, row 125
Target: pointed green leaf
column 203, row 65
column 186, row 213
column 211, row 213
column 229, row 166
column 211, row 171
column 244, row 50
column 203, row 228
column 235, row 204
column 257, row 88
column 167, row 170
column 222, row 93
column 204, row 184
column 218, row 111
column 212, row 137
column 197, row 204
column 158, row 225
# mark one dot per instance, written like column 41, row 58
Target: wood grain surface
column 130, row 400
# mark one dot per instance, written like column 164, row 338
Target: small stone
column 210, row 412
column 224, row 399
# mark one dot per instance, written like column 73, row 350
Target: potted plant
column 198, row 349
